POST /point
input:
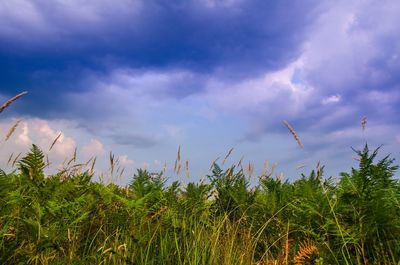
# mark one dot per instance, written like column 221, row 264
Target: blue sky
column 141, row 78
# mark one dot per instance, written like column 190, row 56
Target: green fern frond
column 32, row 164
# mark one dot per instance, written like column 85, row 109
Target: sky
column 140, row 78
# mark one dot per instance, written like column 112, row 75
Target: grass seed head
column 187, row 168
column 363, row 123
column 294, row 133
column 227, row 155
column 55, row 141
column 11, row 100
column 12, row 130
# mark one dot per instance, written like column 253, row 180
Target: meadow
column 68, row 218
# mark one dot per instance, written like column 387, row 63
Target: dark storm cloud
column 48, row 47
column 159, row 33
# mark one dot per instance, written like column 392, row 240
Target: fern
column 32, row 164
column 368, row 202
column 144, row 183
column 232, row 194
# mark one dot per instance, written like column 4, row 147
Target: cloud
column 346, row 48
column 93, row 63
column 263, row 93
column 331, row 99
column 346, row 69
column 125, row 162
column 61, row 20
column 39, row 132
column 159, row 84
column 339, row 50
column 44, row 136
column 52, row 46
column 92, row 149
column 138, row 141
column 22, row 138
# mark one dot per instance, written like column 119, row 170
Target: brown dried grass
column 177, row 166
column 294, row 133
column 227, row 155
column 11, row 100
column 187, row 168
column 363, row 123
column 12, row 130
column 91, row 172
column 55, row 141
column 15, row 160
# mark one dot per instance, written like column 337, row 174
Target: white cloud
column 331, row 99
column 279, row 93
column 39, row 132
column 219, row 3
column 22, row 136
column 44, row 136
column 93, row 149
column 125, row 162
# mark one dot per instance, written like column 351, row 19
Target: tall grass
column 70, row 219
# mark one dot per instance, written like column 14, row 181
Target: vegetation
column 67, row 218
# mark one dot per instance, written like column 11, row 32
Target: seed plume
column 55, row 141
column 12, row 130
column 363, row 123
column 227, row 155
column 294, row 133
column 11, row 100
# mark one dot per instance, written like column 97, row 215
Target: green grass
column 70, row 219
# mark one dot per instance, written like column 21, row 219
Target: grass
column 69, row 219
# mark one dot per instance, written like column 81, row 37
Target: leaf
column 32, row 164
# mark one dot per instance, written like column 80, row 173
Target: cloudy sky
column 139, row 78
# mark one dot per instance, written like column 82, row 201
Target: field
column 67, row 218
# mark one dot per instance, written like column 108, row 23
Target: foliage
column 313, row 220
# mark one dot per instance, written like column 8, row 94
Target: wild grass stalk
column 12, row 130
column 294, row 133
column 11, row 100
